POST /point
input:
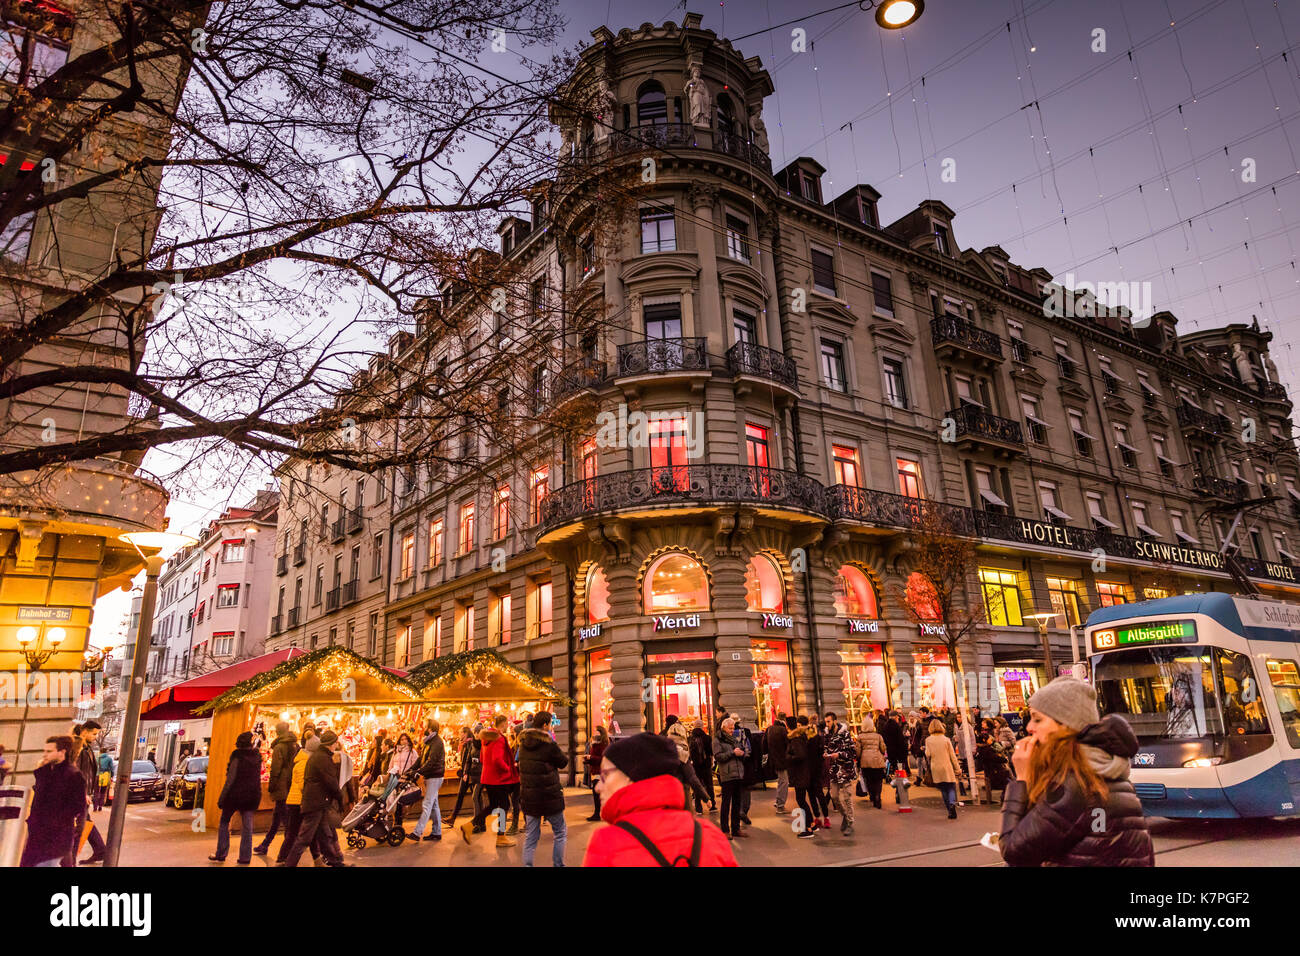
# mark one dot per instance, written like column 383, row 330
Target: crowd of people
column 1059, row 766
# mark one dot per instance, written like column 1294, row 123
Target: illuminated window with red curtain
column 922, row 597
column 846, row 465
column 466, row 527
column 854, row 595
column 539, row 486
column 500, row 512
column 590, row 462
column 668, row 454
column 756, row 456
column 909, row 478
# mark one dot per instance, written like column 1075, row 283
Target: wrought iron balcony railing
column 354, row 520
column 1227, row 489
column 974, row 421
column 349, row 593
column 587, row 373
column 294, row 614
column 332, row 598
column 890, row 510
column 735, row 145
column 662, row 355
column 746, row 358
column 275, row 623
column 338, row 529
column 1271, row 389
column 949, row 328
column 652, row 136
column 300, row 555
column 637, row 139
column 281, row 565
column 1211, row 423
column 772, row 487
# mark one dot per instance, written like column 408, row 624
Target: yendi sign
column 862, row 626
column 778, row 620
column 933, row 630
column 588, row 632
column 665, row 622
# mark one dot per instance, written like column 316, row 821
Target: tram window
column 1163, row 692
column 1243, row 711
column 1285, row 677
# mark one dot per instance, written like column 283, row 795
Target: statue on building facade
column 758, row 129
column 605, row 107
column 698, row 96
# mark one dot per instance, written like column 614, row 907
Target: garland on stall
column 478, row 666
column 332, row 664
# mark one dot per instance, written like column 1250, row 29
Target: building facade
column 762, row 391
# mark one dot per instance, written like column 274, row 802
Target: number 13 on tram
column 1211, row 686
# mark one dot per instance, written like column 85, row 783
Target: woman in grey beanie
column 1071, row 803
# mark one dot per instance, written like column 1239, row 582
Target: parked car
column 147, row 783
column 185, row 786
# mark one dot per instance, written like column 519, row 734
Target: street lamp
column 1042, row 620
column 163, row 544
column 37, row 656
column 896, row 14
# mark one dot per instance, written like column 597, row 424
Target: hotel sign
column 863, row 626
column 665, row 622
column 783, row 621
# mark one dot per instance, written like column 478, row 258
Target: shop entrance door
column 688, row 694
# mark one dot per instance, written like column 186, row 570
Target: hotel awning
column 1057, row 513
column 1147, row 530
column 992, row 497
column 1186, row 538
column 1104, row 522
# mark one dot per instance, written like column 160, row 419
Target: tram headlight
column 1203, row 762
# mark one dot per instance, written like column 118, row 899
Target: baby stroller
column 374, row 816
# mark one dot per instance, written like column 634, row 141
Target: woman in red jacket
column 644, row 799
column 499, row 776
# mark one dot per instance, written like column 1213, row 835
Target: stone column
column 766, row 241
column 735, row 690
column 627, row 653
column 708, row 311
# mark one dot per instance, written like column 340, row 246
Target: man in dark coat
column 321, row 799
column 895, row 742
column 433, row 768
column 88, row 764
column 241, row 794
column 58, row 801
column 777, row 737
column 283, row 751
column 540, row 762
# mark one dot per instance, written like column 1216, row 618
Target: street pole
column 1047, row 650
column 131, row 716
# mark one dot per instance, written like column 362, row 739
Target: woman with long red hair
column 1072, row 803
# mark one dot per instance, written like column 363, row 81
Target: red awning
column 178, row 701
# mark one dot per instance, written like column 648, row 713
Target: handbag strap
column 637, row 834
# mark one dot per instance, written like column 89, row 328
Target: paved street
column 157, row 835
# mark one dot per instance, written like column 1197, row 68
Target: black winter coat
column 471, row 763
column 320, row 782
column 434, row 759
column 243, row 787
column 778, row 737
column 540, row 761
column 796, row 751
column 57, row 802
column 280, row 780
column 895, row 741
column 1064, row 829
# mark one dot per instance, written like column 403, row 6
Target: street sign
column 44, row 613
column 141, row 740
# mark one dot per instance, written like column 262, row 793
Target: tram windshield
column 1165, row 693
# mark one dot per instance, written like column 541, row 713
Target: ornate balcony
column 976, row 427
column 354, row 521
column 1271, row 390
column 1225, row 489
column 579, row 377
column 951, row 334
column 293, row 616
column 656, row 136
column 332, row 597
column 742, row 149
column 300, row 554
column 337, row 529
column 659, row 356
column 746, row 358
column 648, row 488
column 349, row 595
column 1209, row 425
column 281, row 565
column 888, row 510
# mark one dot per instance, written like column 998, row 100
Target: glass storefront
column 1016, row 684
column 600, row 691
column 683, row 685
column 773, row 692
column 934, row 683
column 866, row 680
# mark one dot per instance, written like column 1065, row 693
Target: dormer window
column 942, row 238
column 867, row 213
column 507, row 242
column 810, row 187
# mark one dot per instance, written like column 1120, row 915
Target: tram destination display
column 1149, row 632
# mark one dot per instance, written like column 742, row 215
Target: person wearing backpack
column 645, row 802
column 103, row 782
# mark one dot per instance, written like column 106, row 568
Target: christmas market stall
column 472, row 688
column 332, row 689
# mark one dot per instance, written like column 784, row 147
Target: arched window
column 676, row 582
column 854, row 595
column 764, row 584
column 651, row 105
column 727, row 115
column 597, row 592
column 922, row 597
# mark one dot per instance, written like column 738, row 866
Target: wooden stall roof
column 329, row 675
column 481, row 675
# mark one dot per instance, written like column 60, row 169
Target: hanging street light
column 896, row 14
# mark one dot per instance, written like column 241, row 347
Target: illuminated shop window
column 854, row 595
column 1110, row 593
column 764, row 585
column 676, row 582
column 772, row 691
column 597, row 590
column 1001, row 596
